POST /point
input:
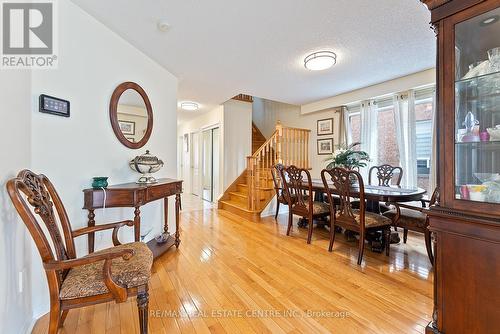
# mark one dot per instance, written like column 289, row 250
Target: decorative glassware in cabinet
column 477, row 108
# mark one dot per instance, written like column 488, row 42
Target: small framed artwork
column 325, row 127
column 127, row 128
column 325, row 146
column 131, row 139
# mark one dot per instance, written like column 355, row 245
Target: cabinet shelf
column 478, row 78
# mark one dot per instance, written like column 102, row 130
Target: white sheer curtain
column 369, row 134
column 433, row 170
column 404, row 119
column 345, row 129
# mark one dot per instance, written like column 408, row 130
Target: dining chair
column 343, row 215
column 386, row 174
column 112, row 274
column 414, row 218
column 297, row 185
column 278, row 187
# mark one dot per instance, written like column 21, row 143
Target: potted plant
column 347, row 157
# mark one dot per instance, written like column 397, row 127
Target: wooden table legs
column 91, row 236
column 137, row 224
column 177, row 207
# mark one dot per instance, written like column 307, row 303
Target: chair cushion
column 412, row 219
column 373, row 219
column 87, row 280
column 320, row 208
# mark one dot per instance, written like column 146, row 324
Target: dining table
column 375, row 194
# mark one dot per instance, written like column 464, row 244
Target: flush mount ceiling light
column 320, row 60
column 191, row 106
column 489, row 20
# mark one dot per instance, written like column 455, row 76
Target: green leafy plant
column 347, row 157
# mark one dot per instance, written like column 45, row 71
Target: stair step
column 243, row 185
column 241, row 196
column 238, row 206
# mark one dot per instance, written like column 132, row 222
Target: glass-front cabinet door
column 477, row 108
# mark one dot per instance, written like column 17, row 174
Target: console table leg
column 137, row 224
column 177, row 207
column 165, row 214
column 91, row 223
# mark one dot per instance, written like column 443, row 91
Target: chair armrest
column 126, row 254
column 119, row 293
column 115, row 226
column 398, row 207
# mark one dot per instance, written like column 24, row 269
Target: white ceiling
column 220, row 48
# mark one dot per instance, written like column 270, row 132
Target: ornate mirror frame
column 113, row 114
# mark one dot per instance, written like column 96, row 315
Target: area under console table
column 135, row 195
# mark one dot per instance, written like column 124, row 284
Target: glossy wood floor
column 235, row 276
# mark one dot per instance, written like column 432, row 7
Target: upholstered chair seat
column 411, row 218
column 87, row 280
column 373, row 219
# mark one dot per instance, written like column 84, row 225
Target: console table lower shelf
column 135, row 195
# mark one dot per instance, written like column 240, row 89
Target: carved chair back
column 341, row 179
column 32, row 193
column 296, row 183
column 276, row 174
column 385, row 173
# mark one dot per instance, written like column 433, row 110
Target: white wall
column 70, row 151
column 401, row 84
column 237, row 139
column 15, row 242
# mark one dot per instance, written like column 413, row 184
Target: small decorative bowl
column 99, row 182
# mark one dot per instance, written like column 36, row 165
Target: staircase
column 252, row 191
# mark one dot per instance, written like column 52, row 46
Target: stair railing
column 289, row 146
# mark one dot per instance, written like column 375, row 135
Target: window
column 423, row 115
column 388, row 151
column 354, row 120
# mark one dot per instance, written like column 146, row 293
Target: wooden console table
column 135, row 195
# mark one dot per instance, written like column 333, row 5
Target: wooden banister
column 288, row 146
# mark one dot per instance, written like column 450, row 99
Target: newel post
column 279, row 141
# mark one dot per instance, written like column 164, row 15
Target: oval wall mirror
column 131, row 115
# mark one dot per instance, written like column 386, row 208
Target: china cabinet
column 466, row 223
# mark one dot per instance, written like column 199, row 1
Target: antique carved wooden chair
column 278, row 187
column 356, row 220
column 386, row 174
column 297, row 185
column 112, row 274
column 414, row 218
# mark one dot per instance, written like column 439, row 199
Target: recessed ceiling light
column 191, row 106
column 320, row 60
column 163, row 25
column 489, row 20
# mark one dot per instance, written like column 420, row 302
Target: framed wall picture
column 127, row 127
column 325, row 127
column 131, row 139
column 325, row 146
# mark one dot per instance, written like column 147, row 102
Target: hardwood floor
column 235, row 276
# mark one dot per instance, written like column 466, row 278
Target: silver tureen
column 146, row 164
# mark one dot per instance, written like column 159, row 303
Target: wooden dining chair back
column 344, row 215
column 386, row 174
column 297, row 186
column 109, row 275
column 278, row 187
